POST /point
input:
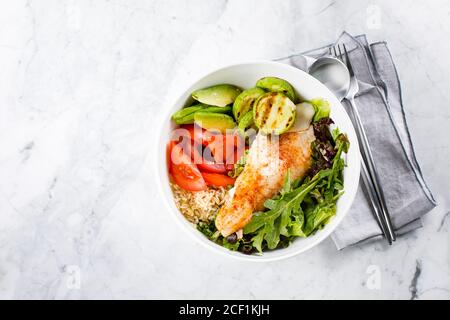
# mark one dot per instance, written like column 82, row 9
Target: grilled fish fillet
column 268, row 160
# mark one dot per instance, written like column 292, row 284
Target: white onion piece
column 305, row 114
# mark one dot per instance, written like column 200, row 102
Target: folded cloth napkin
column 379, row 102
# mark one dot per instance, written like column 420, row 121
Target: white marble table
column 82, row 86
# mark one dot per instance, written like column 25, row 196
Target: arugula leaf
column 210, row 231
column 318, row 216
column 230, row 246
column 273, row 236
column 335, row 133
column 269, row 225
column 287, row 185
column 302, row 207
column 259, row 237
column 270, row 203
column 296, row 227
column 342, row 140
column 342, row 144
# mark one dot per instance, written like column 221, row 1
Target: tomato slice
column 227, row 148
column 205, row 162
column 169, row 149
column 188, row 164
column 217, row 179
column 198, row 134
column 238, row 153
column 184, row 172
column 216, row 148
column 212, row 167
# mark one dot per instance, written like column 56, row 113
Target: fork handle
column 373, row 200
column 370, row 165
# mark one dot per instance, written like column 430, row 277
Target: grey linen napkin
column 379, row 102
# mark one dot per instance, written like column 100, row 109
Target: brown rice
column 200, row 205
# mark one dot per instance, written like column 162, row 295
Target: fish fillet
column 268, row 161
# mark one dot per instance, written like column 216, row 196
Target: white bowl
column 245, row 75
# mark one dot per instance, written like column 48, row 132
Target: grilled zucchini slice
column 244, row 102
column 274, row 84
column 274, row 113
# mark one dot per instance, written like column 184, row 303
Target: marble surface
column 82, row 87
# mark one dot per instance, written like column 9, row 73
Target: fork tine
column 349, row 65
column 335, row 53
column 340, row 53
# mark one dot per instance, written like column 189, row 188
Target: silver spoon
column 335, row 75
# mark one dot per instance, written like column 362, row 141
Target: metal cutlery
column 338, row 75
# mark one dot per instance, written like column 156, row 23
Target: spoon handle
column 371, row 169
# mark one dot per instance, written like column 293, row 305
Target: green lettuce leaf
column 322, row 108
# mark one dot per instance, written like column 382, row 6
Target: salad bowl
column 245, row 75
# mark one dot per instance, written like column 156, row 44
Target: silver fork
column 370, row 175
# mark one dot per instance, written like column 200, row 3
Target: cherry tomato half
column 217, row 179
column 226, row 148
column 198, row 134
column 184, row 172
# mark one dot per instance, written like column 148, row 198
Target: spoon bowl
column 333, row 73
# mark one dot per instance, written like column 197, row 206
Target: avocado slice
column 274, row 113
column 274, row 84
column 244, row 102
column 186, row 115
column 227, row 109
column 214, row 121
column 219, row 95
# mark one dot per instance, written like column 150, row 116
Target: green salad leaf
column 238, row 166
column 284, row 216
column 322, row 108
column 210, row 231
column 302, row 207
